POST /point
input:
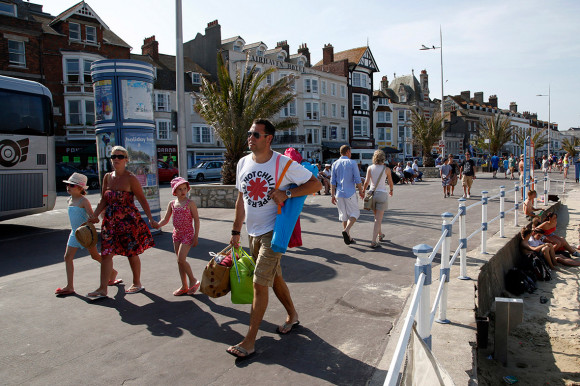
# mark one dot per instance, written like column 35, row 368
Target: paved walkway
column 348, row 299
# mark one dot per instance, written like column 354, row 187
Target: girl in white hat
column 79, row 210
column 185, row 234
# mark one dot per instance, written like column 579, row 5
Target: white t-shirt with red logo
column 255, row 181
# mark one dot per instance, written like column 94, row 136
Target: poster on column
column 104, row 100
column 137, row 98
column 105, row 142
column 143, row 164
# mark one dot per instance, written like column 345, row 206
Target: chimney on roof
column 493, row 101
column 284, row 46
column 478, row 96
column 327, row 54
column 384, row 84
column 211, row 24
column 150, row 47
column 513, row 107
column 303, row 49
column 466, row 95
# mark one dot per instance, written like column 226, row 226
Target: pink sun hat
column 178, row 181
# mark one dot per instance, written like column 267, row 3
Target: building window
column 380, row 133
column 238, row 46
column 333, row 106
column 74, row 31
column 324, row 132
column 259, row 52
column 281, row 57
column 343, row 91
column 402, row 116
column 16, row 53
column 192, row 99
column 202, row 134
column 269, row 79
column 163, row 129
column 162, row 102
column 80, row 112
column 342, row 111
column 72, row 71
column 360, row 127
column 360, row 80
column 7, row 9
column 311, row 86
column 195, row 78
column 289, row 110
column 383, row 117
column 388, row 134
column 360, row 101
column 323, row 87
column 91, row 34
column 343, row 133
column 333, row 89
column 312, row 136
column 311, row 111
column 323, row 112
column 383, row 101
column 87, row 71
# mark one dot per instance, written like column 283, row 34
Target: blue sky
column 513, row 49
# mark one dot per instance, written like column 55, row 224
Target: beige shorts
column 380, row 201
column 267, row 261
column 467, row 181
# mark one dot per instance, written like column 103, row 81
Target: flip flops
column 115, row 282
column 346, row 238
column 193, row 289
column 96, row 295
column 134, row 290
column 246, row 353
column 63, row 292
column 180, row 292
column 289, row 326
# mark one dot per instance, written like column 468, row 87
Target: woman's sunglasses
column 256, row 134
column 118, row 156
column 71, row 185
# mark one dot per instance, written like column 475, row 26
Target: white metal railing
column 420, row 309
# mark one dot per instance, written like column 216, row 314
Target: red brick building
column 58, row 52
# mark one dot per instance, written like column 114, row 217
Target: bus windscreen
column 23, row 114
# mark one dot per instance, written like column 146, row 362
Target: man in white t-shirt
column 257, row 203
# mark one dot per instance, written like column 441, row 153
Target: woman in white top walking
column 377, row 176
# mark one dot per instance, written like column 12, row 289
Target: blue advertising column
column 124, row 117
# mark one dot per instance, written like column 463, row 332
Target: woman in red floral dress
column 123, row 231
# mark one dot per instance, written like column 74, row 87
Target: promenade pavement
column 348, row 299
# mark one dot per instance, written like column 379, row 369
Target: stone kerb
column 214, row 195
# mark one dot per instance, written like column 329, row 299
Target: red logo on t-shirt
column 257, row 189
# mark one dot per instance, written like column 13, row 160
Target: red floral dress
column 123, row 231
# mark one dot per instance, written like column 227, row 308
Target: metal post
column 534, row 188
column 516, row 205
column 444, row 269
column 546, row 189
column 462, row 241
column 501, row 211
column 422, row 265
column 483, row 221
column 180, row 91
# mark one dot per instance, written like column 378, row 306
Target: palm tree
column 425, row 133
column 494, row 133
column 230, row 106
column 568, row 144
column 539, row 139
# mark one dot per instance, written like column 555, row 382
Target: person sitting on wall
column 533, row 240
column 418, row 173
column 529, row 205
column 324, row 177
column 409, row 173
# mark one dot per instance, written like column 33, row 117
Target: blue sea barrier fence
column 420, row 309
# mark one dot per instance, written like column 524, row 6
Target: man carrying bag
column 257, row 203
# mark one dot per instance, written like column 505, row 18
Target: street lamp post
column 424, row 48
column 549, row 117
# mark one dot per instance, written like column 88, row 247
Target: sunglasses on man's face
column 118, row 156
column 256, row 134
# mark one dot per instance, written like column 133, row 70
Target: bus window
column 354, row 155
column 24, row 114
column 367, row 155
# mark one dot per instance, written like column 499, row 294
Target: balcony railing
column 289, row 138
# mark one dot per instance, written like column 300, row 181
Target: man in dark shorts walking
column 467, row 169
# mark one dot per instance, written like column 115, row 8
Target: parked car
column 166, row 172
column 63, row 171
column 205, row 170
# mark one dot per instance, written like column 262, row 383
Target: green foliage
column 231, row 104
column 539, row 139
column 498, row 130
column 568, row 144
column 425, row 133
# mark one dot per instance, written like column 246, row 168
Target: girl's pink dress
column 182, row 224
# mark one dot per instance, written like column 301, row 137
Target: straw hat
column 178, row 181
column 77, row 179
column 86, row 235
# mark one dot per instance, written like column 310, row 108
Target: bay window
column 360, row 127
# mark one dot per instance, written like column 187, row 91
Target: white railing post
column 546, row 189
column 501, row 210
column 483, row 221
column 444, row 268
column 549, row 183
column 564, row 186
column 423, row 316
column 462, row 241
column 535, row 188
column 516, row 206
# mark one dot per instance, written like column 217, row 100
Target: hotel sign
column 277, row 63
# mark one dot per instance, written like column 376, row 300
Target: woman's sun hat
column 178, row 181
column 86, row 235
column 77, row 179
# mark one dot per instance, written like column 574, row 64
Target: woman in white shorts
column 377, row 176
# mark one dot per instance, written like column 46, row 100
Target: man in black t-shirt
column 467, row 170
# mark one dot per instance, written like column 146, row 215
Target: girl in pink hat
column 185, row 235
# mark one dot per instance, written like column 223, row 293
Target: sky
column 510, row 48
